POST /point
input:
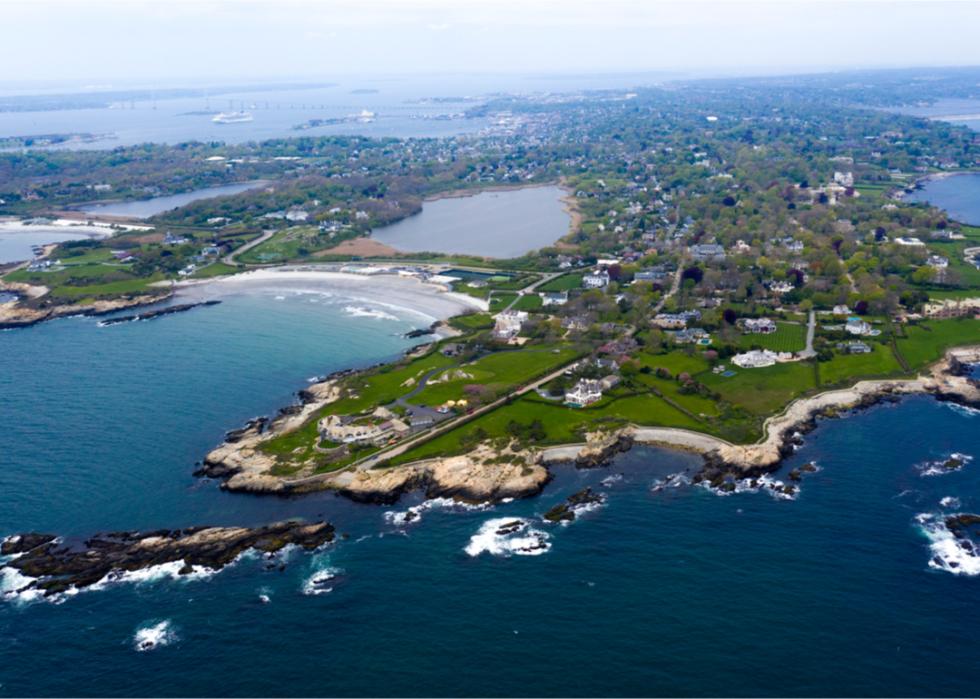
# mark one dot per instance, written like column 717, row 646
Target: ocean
column 664, row 589
column 957, row 194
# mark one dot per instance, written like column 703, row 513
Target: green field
column 528, row 302
column 848, row 368
column 765, row 391
column 472, row 321
column 499, row 371
column 566, row 282
column 926, row 342
column 215, row 269
column 789, row 337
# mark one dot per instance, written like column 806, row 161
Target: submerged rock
column 55, row 566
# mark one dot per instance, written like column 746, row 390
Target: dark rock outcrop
column 150, row 315
column 566, row 511
column 57, row 566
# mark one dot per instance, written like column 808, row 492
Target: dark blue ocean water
column 959, row 195
column 676, row 592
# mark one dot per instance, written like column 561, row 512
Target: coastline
column 487, row 475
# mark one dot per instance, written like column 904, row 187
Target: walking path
column 229, row 259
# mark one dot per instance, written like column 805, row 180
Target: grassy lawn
column 288, row 244
column 846, row 369
column 561, row 424
column 378, row 388
column 500, row 371
column 765, row 391
column 675, row 362
column 926, row 342
column 216, row 269
column 499, row 302
column 789, row 337
column 566, row 282
column 528, row 302
column 472, row 321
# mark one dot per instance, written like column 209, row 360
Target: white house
column 909, row 242
column 856, row 326
column 507, row 325
column 596, row 280
column 842, row 310
column 755, row 359
column 585, row 392
column 554, row 298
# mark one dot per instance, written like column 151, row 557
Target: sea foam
column 506, row 536
column 414, row 513
column 949, row 553
column 154, row 636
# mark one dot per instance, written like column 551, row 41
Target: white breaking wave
column 964, row 410
column 162, row 571
column 673, row 480
column 950, row 464
column 365, row 312
column 950, row 554
column 506, row 536
column 950, row 503
column 154, row 636
column 764, row 483
column 414, row 514
column 323, row 578
column 611, row 480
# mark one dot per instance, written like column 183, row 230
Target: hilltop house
column 554, row 298
column 375, row 428
column 596, row 280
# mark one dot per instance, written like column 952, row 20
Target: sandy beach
column 431, row 301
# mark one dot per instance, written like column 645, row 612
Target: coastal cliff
column 491, row 473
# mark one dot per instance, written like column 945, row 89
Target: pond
column 501, row 224
column 144, row 208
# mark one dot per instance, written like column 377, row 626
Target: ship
column 232, row 117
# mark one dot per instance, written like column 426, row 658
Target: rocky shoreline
column 150, row 315
column 491, row 474
column 21, row 314
column 51, row 566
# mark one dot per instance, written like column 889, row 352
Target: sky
column 111, row 42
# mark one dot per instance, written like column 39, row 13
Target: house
column 596, row 280
column 755, row 359
column 362, row 429
column 123, row 255
column 690, row 336
column 758, row 326
column 710, row 252
column 507, row 324
column 856, row 326
column 609, row 382
column 938, row 261
column 585, row 392
column 741, row 246
column 650, row 275
column 575, row 323
column 670, row 321
column 553, row 298
column 171, row 239
column 855, row 347
column 297, row 215
column 842, row 310
column 780, row 287
column 452, row 349
column 909, row 242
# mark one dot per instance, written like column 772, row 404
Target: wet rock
column 150, row 315
column 566, row 511
column 58, row 566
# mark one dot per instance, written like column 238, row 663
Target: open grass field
column 789, row 337
column 528, row 302
column 846, row 369
column 566, row 282
column 499, row 371
column 215, row 269
column 472, row 321
column 562, row 425
column 765, row 391
column 926, row 342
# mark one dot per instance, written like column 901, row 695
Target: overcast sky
column 100, row 41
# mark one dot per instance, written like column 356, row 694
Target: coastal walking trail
column 811, row 329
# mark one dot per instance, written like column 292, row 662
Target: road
column 811, row 329
column 229, row 259
column 371, row 461
column 531, row 287
column 674, row 287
